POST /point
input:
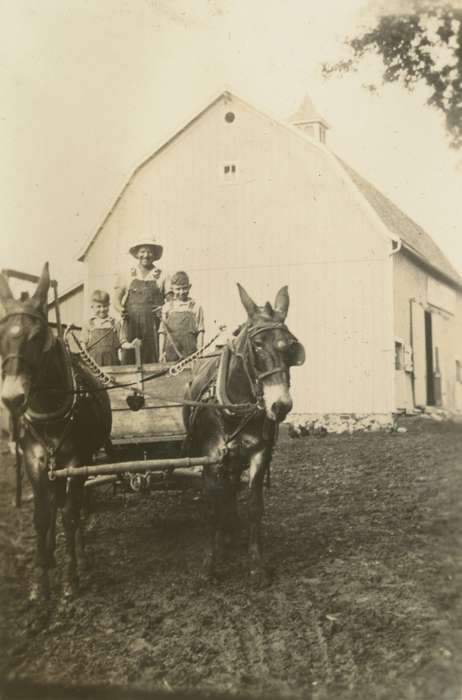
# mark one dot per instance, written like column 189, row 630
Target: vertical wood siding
column 289, row 218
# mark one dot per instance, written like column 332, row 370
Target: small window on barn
column 399, row 354
column 230, row 172
column 459, row 371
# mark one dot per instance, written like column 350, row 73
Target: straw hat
column 147, row 242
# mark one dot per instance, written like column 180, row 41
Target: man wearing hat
column 139, row 299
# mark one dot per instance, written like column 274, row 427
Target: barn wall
column 288, row 216
column 413, row 294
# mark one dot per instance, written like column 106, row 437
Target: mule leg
column 44, row 519
column 213, row 491
column 232, row 526
column 71, row 523
column 51, row 533
column 220, row 494
column 258, row 466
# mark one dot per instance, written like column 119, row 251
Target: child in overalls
column 139, row 299
column 181, row 330
column 101, row 336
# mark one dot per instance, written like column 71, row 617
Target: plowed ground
column 363, row 540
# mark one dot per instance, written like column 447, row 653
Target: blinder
column 296, row 354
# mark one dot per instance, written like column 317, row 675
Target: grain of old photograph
column 231, row 349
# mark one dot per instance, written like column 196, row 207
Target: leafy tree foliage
column 421, row 44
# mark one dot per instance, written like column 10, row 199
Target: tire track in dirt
column 277, row 642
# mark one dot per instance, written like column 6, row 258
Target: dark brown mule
column 63, row 418
column 247, row 391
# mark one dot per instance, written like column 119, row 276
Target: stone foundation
column 319, row 423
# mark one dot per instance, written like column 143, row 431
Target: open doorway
column 429, row 359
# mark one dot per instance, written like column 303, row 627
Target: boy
column 101, row 337
column 181, row 329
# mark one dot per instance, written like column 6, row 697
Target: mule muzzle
column 14, row 395
column 280, row 409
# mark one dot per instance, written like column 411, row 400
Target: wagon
column 147, row 437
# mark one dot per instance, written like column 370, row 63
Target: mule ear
column 281, row 304
column 248, row 304
column 268, row 309
column 41, row 293
column 5, row 291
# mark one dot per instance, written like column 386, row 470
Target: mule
column 243, row 395
column 62, row 415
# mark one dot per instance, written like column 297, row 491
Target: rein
column 249, row 365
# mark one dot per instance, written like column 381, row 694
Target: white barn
column 236, row 196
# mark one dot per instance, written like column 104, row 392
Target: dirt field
column 363, row 540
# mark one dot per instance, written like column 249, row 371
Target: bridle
column 17, row 355
column 247, row 356
column 28, row 414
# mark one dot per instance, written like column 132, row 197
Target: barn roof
column 413, row 237
column 223, row 95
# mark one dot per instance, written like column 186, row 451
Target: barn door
column 419, row 354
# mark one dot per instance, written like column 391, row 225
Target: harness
column 30, row 420
column 215, row 392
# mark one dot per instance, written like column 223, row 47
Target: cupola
column 308, row 119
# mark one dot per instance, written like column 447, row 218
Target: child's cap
column 180, row 279
column 99, row 296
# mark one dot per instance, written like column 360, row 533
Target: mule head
column 273, row 350
column 24, row 338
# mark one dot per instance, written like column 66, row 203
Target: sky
column 89, row 88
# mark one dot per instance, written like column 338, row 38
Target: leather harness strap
column 30, row 418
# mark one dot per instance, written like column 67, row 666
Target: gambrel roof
column 414, row 238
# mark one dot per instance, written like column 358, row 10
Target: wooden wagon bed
column 156, row 421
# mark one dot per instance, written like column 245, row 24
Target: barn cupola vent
column 308, row 120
